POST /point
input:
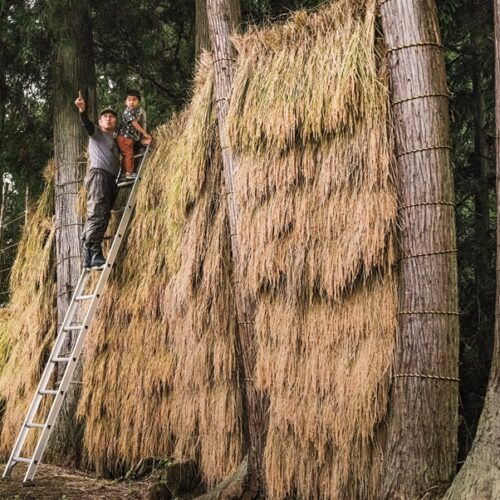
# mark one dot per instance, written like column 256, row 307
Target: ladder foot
column 28, row 483
column 7, row 473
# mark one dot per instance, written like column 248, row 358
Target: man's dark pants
column 101, row 195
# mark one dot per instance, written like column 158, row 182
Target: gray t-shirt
column 103, row 150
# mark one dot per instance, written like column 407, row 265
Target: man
column 100, row 181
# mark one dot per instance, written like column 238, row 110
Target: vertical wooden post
column 421, row 440
column 223, row 19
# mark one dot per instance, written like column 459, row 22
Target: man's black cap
column 108, row 110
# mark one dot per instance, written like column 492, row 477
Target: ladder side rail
column 44, row 380
column 53, row 413
column 75, row 355
column 70, row 312
column 67, row 377
column 135, row 187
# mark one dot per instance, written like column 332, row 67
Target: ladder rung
column 84, row 297
column 22, row 459
column 33, row 425
column 73, row 327
column 125, row 183
column 140, row 155
column 48, row 392
column 61, row 360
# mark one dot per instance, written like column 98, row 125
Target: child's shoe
column 129, row 176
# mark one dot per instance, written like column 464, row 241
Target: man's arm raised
column 84, row 119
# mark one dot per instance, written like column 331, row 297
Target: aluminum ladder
column 71, row 360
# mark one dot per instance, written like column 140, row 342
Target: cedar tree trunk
column 223, row 19
column 202, row 32
column 421, row 439
column 73, row 70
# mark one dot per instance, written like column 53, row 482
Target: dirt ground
column 55, row 483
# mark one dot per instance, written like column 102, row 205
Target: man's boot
column 98, row 259
column 87, row 256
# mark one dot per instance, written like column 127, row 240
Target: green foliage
column 148, row 45
column 261, row 10
column 25, row 118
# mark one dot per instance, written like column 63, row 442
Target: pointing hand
column 80, row 102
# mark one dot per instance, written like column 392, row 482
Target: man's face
column 107, row 122
column 131, row 101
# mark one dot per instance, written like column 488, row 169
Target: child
column 130, row 132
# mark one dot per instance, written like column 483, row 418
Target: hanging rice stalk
column 28, row 326
column 309, row 122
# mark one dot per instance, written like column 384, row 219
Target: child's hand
column 80, row 102
column 147, row 140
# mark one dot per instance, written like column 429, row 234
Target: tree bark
column 223, row 20
column 421, row 426
column 480, row 475
column 73, row 70
column 202, row 32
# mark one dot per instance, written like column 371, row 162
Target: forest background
column 153, row 47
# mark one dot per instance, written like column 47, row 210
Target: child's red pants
column 126, row 146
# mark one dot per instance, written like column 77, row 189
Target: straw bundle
column 309, row 123
column 28, row 327
column 160, row 373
